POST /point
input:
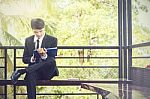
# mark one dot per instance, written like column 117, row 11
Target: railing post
column 120, row 37
column 125, row 39
column 14, row 70
column 129, row 10
column 5, row 73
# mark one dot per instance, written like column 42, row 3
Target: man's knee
column 31, row 76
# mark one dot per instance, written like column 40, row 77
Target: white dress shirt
column 40, row 43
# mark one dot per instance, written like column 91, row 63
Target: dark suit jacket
column 48, row 41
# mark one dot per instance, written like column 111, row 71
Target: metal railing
column 4, row 66
column 15, row 49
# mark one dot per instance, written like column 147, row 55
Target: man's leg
column 35, row 67
column 50, row 62
column 31, row 79
column 34, row 73
column 47, row 71
column 15, row 75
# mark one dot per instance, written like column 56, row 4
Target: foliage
column 74, row 23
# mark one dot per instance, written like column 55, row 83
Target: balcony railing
column 12, row 52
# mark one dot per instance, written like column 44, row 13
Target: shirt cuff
column 32, row 60
column 44, row 57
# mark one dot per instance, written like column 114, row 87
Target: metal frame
column 125, row 38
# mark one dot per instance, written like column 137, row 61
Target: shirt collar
column 36, row 38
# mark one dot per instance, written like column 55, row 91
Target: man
column 43, row 68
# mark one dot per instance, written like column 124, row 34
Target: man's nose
column 39, row 33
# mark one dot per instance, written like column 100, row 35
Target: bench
column 62, row 82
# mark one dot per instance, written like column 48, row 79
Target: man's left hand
column 42, row 51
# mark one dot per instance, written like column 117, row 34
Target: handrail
column 65, row 82
column 66, row 47
column 139, row 45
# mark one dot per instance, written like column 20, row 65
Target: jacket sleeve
column 54, row 42
column 26, row 55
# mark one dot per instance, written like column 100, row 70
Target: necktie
column 37, row 44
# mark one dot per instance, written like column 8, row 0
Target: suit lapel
column 32, row 46
column 44, row 41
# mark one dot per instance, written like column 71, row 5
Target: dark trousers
column 43, row 70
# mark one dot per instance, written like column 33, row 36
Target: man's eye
column 35, row 32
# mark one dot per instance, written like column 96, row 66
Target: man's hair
column 37, row 23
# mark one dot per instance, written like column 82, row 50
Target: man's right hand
column 32, row 59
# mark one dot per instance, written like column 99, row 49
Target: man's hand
column 32, row 60
column 42, row 51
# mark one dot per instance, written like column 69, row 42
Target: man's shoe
column 14, row 77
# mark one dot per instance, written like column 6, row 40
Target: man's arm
column 27, row 58
column 54, row 43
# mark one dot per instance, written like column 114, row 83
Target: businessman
column 43, row 68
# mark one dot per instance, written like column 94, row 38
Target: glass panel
column 141, row 52
column 140, row 18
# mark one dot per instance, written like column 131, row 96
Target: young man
column 43, row 68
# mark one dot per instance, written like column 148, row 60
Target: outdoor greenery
column 74, row 23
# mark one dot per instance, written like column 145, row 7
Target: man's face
column 39, row 32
